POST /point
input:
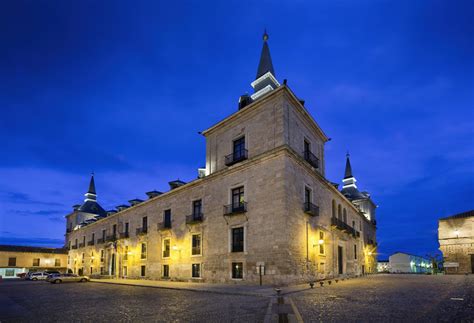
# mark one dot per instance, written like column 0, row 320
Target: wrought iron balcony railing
column 101, row 240
column 111, row 238
column 311, row 158
column 311, row 209
column 236, row 157
column 142, row 231
column 90, row 243
column 194, row 218
column 74, row 247
column 165, row 225
column 235, row 208
column 124, row 235
column 81, row 245
column 341, row 225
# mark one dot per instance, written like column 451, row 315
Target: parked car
column 21, row 275
column 37, row 275
column 66, row 278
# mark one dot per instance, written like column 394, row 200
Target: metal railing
column 341, row 225
column 311, row 209
column 165, row 225
column 124, row 235
column 311, row 158
column 142, row 231
column 101, row 240
column 194, row 218
column 236, row 157
column 90, row 243
column 74, row 247
column 235, row 208
column 82, row 245
column 111, row 238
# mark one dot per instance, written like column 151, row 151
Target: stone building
column 16, row 260
column 262, row 206
column 456, row 242
column 405, row 263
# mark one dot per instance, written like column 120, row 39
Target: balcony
column 357, row 234
column 165, row 225
column 194, row 218
column 82, row 245
column 335, row 222
column 74, row 247
column 232, row 209
column 124, row 235
column 142, row 231
column 90, row 243
column 101, row 240
column 311, row 209
column 311, row 158
column 236, row 157
column 111, row 238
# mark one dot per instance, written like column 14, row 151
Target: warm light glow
column 175, row 247
column 370, row 253
column 456, row 232
column 321, row 241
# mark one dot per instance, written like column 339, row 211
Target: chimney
column 153, row 194
column 176, row 184
column 135, row 202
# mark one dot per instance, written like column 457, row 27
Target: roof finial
column 265, row 35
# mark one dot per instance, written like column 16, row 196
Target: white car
column 36, row 276
column 67, row 278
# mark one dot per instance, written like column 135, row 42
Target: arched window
column 339, row 213
column 333, row 208
column 344, row 216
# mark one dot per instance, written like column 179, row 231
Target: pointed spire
column 265, row 65
column 348, row 171
column 92, row 185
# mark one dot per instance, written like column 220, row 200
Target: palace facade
column 261, row 207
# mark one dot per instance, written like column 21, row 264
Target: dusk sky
column 122, row 88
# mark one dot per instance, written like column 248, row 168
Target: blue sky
column 123, row 87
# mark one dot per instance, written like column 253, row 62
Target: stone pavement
column 229, row 289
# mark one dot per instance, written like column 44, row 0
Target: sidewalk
column 245, row 290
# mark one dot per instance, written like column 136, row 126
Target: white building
column 401, row 262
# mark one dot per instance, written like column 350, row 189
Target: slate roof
column 462, row 215
column 92, row 186
column 348, row 171
column 92, row 207
column 32, row 249
column 353, row 193
column 265, row 65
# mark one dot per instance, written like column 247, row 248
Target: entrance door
column 472, row 263
column 112, row 270
column 339, row 260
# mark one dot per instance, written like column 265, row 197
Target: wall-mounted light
column 175, row 247
column 456, row 232
column 321, row 241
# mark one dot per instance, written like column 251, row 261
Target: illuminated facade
column 456, row 242
column 16, row 260
column 262, row 206
column 404, row 263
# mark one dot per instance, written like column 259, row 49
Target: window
column 238, row 239
column 9, row 272
column 84, row 240
column 196, row 245
column 307, row 147
column 145, row 224
column 91, row 270
column 102, row 270
column 102, row 255
column 82, row 258
column 307, row 195
column 143, row 251
column 75, row 243
column 166, row 248
column 239, row 148
column 57, row 262
column 125, row 254
column 126, row 228
column 93, row 237
column 103, row 235
column 344, row 217
column 321, row 242
column 167, row 219
column 166, row 271
column 197, row 209
column 114, row 230
column 125, row 271
column 36, row 262
column 196, row 270
column 353, row 224
column 355, row 251
column 237, row 198
column 339, row 212
column 333, row 208
column 12, row 262
column 143, row 271
column 237, row 270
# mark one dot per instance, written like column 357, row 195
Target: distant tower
column 90, row 210
column 350, row 191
